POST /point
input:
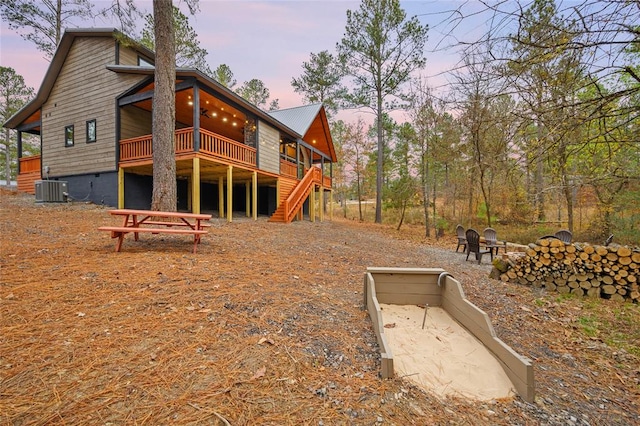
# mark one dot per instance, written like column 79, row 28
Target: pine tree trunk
column 380, row 159
column 164, row 196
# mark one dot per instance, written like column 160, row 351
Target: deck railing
column 294, row 201
column 211, row 144
column 226, row 149
column 289, row 169
column 136, row 148
column 30, row 164
column 184, row 140
column 141, row 148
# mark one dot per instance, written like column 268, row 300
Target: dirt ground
column 263, row 326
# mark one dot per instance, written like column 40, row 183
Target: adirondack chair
column 608, row 240
column 491, row 240
column 473, row 245
column 462, row 240
column 564, row 235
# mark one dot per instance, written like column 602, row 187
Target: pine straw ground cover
column 264, row 325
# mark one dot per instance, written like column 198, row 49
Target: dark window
column 91, row 131
column 68, row 136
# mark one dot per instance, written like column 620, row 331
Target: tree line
column 539, row 123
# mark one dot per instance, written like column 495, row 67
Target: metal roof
column 298, row 119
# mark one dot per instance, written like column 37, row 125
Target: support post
column 229, row 193
column 196, row 117
column 195, row 186
column 254, row 193
column 312, row 204
column 321, row 203
column 120, row 188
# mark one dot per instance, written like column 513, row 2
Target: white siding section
column 84, row 90
column 268, row 151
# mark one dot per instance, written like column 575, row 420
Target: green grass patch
column 616, row 325
column 589, row 326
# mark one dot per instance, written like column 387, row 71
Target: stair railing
column 295, row 199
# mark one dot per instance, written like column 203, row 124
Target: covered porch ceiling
column 222, row 118
column 214, row 115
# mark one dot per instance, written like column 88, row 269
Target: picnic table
column 157, row 222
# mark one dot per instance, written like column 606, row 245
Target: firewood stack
column 610, row 272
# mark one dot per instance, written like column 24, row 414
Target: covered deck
column 203, row 156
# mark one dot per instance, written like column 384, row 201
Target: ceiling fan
column 203, row 112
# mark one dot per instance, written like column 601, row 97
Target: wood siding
column 27, row 181
column 134, row 122
column 129, row 56
column 84, row 90
column 269, row 148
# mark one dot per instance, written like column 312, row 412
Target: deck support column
column 321, row 204
column 229, row 193
column 195, row 186
column 221, row 197
column 312, row 204
column 120, row 188
column 254, row 195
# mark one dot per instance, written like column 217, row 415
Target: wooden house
column 93, row 116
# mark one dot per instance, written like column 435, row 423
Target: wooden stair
column 290, row 207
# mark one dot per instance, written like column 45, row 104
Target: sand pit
column 457, row 352
column 443, row 357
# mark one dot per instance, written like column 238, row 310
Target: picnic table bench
column 157, row 222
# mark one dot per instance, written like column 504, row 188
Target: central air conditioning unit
column 51, row 191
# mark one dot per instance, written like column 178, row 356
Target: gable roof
column 297, row 118
column 311, row 122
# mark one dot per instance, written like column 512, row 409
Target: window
column 143, row 62
column 68, row 136
column 91, row 131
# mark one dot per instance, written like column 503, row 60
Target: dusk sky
column 267, row 40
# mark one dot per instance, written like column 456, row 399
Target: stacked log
column 610, row 272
